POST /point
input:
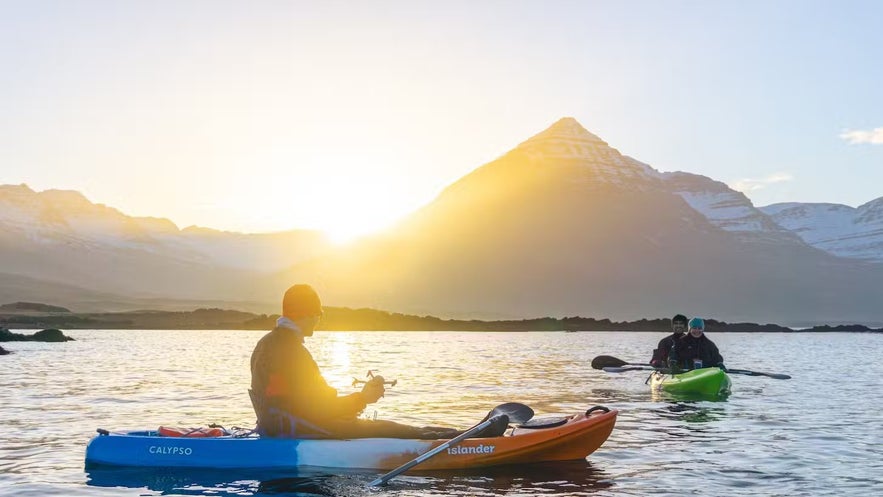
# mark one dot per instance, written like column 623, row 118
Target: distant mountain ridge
column 853, row 232
column 59, row 238
column 561, row 225
column 69, row 218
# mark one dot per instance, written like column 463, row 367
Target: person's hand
column 373, row 389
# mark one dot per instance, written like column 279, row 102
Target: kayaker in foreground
column 660, row 354
column 694, row 350
column 292, row 399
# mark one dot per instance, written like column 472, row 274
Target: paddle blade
column 607, row 361
column 777, row 376
column 517, row 413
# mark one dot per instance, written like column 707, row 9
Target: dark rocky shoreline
column 346, row 319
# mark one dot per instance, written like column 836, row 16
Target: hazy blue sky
column 260, row 116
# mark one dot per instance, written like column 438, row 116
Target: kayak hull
column 705, row 381
column 581, row 435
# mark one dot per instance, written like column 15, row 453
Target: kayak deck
column 578, row 437
column 705, row 381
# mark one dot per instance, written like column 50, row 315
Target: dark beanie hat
column 301, row 301
column 679, row 318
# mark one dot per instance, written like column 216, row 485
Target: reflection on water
column 169, row 481
column 816, row 434
column 576, row 477
column 662, row 396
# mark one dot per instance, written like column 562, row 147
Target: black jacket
column 285, row 377
column 660, row 355
column 688, row 349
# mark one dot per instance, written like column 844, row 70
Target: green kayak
column 705, row 381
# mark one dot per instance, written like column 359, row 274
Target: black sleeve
column 716, row 359
column 660, row 354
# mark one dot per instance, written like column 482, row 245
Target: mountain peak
column 566, row 130
column 568, row 139
column 567, row 142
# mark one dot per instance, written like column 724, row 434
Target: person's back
column 290, row 396
column 667, row 344
column 286, row 381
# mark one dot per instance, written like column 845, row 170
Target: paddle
column 612, row 364
column 611, row 369
column 778, row 376
column 608, row 361
column 515, row 412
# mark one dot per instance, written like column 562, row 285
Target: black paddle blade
column 777, row 376
column 607, row 361
column 517, row 413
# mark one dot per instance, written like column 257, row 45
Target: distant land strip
column 22, row 315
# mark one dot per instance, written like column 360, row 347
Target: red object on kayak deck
column 171, row 431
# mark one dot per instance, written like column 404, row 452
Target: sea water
column 819, row 433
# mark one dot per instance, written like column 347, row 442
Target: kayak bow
column 705, row 381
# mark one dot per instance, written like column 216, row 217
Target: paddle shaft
column 631, row 368
column 428, row 454
column 612, row 364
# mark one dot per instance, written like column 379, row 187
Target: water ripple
column 817, row 434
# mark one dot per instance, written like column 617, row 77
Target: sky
column 345, row 116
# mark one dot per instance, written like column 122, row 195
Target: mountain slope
column 565, row 225
column 15, row 288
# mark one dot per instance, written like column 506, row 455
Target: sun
column 344, row 231
column 351, row 208
column 334, row 193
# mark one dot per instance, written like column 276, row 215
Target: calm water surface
column 820, row 433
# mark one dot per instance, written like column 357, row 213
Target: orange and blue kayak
column 567, row 438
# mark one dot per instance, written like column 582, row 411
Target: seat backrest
column 257, row 402
column 276, row 422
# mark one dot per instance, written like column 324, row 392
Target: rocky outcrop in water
column 50, row 335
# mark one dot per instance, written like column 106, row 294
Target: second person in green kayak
column 694, row 350
column 663, row 350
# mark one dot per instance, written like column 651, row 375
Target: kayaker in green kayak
column 292, row 399
column 660, row 354
column 695, row 350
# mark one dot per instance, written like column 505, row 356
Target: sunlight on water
column 817, row 434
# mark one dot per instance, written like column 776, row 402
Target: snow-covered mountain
column 838, row 229
column 68, row 218
column 602, row 164
column 61, row 237
column 726, row 208
column 564, row 224
column 561, row 225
